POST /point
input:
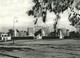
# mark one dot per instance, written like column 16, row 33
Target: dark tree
column 74, row 17
column 11, row 32
column 41, row 6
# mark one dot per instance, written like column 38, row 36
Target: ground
column 66, row 48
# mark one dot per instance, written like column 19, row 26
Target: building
column 21, row 33
column 40, row 31
column 63, row 32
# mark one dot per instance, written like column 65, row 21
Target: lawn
column 66, row 48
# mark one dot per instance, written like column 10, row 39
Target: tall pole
column 14, row 21
column 14, row 31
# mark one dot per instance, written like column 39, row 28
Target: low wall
column 0, row 38
column 22, row 38
column 44, row 37
column 49, row 37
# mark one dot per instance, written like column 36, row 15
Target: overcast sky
column 9, row 9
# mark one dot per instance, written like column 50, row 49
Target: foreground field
column 40, row 49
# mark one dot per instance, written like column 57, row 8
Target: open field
column 67, row 48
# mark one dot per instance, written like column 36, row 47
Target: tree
column 11, row 31
column 74, row 17
column 57, row 6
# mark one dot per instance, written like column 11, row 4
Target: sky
column 9, row 9
column 16, row 10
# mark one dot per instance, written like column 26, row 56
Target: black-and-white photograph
column 39, row 28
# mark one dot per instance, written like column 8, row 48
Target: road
column 68, row 48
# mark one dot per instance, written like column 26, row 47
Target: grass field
column 66, row 48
